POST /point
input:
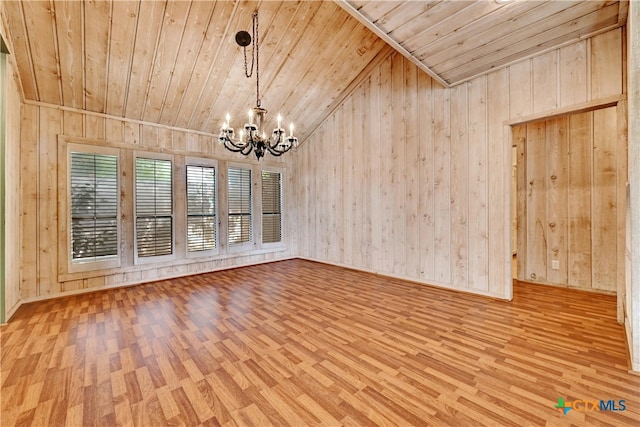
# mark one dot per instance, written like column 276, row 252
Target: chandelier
column 252, row 138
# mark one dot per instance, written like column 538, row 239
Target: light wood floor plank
column 301, row 343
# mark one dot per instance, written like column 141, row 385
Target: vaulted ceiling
column 176, row 62
column 455, row 41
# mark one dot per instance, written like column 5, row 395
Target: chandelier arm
column 235, row 150
column 238, row 147
column 275, row 152
column 274, row 144
column 247, row 149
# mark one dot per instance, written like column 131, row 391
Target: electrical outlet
column 555, row 264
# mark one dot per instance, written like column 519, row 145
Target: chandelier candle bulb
column 250, row 117
column 279, row 120
column 291, row 129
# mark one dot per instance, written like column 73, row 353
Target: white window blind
column 154, row 207
column 94, row 207
column 240, row 206
column 201, row 208
column 271, row 207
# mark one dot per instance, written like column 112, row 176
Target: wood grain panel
column 94, row 127
column 174, row 22
column 498, row 170
column 68, row 19
column 478, row 185
column 442, row 190
column 573, row 74
column 344, row 121
column 412, row 159
column 16, row 30
column 399, row 160
column 36, row 17
column 366, row 228
column 520, row 89
column 125, row 15
column 556, row 149
column 604, row 218
column 546, row 82
column 144, row 48
column 97, row 28
column 47, row 206
column 387, row 134
column 459, row 186
column 426, row 189
column 536, row 237
column 606, row 60
column 29, row 200
column 376, row 161
column 191, row 47
column 326, row 345
column 580, row 183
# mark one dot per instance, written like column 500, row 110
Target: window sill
column 182, row 261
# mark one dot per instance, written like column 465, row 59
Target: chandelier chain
column 255, row 18
column 255, row 56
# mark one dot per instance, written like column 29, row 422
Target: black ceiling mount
column 243, row 38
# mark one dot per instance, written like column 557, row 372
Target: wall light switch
column 555, row 264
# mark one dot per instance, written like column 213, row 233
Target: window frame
column 138, row 260
column 202, row 162
column 251, row 244
column 74, row 266
column 280, row 243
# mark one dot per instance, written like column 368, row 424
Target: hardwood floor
column 300, row 343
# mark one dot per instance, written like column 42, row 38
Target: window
column 271, row 207
column 201, row 208
column 94, row 207
column 240, row 206
column 154, row 207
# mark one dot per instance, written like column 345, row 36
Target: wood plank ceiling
column 457, row 40
column 176, row 62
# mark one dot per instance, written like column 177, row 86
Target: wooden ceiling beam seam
column 397, row 46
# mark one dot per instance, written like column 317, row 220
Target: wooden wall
column 43, row 267
column 572, row 169
column 408, row 179
column 632, row 300
column 10, row 87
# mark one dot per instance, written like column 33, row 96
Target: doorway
column 570, row 172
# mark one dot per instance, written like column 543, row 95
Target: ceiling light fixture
column 251, row 137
